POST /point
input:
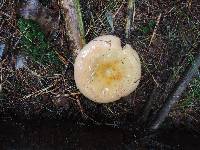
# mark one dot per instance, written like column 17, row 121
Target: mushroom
column 104, row 71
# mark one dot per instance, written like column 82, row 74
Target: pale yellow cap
column 104, row 71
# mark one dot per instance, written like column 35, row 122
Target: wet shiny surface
column 105, row 72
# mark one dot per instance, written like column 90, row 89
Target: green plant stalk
column 130, row 16
column 74, row 25
column 80, row 20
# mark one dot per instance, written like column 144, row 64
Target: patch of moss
column 149, row 27
column 35, row 45
column 45, row 2
column 193, row 95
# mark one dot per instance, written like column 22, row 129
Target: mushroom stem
column 176, row 95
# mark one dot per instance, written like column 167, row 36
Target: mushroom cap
column 104, row 71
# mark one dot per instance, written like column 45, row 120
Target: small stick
column 1, row 3
column 84, row 115
column 118, row 10
column 189, row 4
column 80, row 21
column 109, row 17
column 68, row 95
column 37, row 92
column 155, row 29
column 130, row 17
column 176, row 94
column 74, row 24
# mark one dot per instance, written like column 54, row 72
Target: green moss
column 35, row 45
column 149, row 27
column 193, row 95
column 80, row 20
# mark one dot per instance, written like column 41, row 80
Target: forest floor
column 36, row 84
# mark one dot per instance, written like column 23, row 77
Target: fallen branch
column 74, row 24
column 176, row 94
column 155, row 29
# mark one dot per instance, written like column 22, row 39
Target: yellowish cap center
column 108, row 72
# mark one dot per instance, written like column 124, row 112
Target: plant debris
column 177, row 93
column 47, row 18
column 35, row 45
column 40, row 90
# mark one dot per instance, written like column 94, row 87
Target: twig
column 1, row 3
column 74, row 24
column 68, row 95
column 109, row 17
column 118, row 9
column 84, row 115
column 5, row 14
column 37, row 92
column 176, row 94
column 189, row 4
column 80, row 20
column 155, row 29
column 130, row 17
column 146, row 67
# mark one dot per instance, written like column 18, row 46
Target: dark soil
column 60, row 134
